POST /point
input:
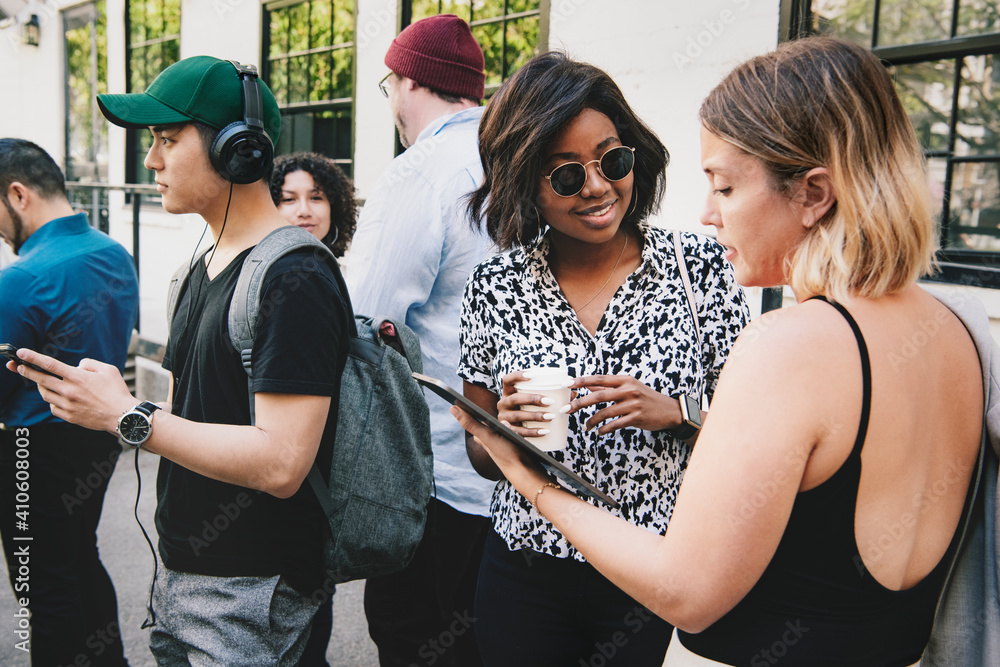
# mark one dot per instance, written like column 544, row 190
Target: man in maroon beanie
column 410, row 258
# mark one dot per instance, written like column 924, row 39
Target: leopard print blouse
column 514, row 316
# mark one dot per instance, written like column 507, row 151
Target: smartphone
column 9, row 351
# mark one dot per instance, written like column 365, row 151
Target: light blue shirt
column 411, row 256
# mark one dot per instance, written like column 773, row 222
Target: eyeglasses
column 383, row 85
column 569, row 178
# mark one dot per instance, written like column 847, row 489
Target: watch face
column 134, row 428
column 693, row 415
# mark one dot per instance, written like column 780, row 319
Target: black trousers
column 535, row 610
column 53, row 478
column 423, row 615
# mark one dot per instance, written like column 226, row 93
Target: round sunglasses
column 569, row 178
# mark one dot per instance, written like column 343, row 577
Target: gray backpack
column 381, row 468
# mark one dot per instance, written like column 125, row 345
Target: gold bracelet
column 534, row 502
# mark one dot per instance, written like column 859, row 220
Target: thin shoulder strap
column 686, row 279
column 245, row 305
column 177, row 284
column 866, row 374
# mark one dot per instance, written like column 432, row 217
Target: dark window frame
column 340, row 104
column 542, row 12
column 958, row 266
column 134, row 169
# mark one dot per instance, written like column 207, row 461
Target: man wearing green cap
column 240, row 535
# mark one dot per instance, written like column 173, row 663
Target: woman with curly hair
column 311, row 191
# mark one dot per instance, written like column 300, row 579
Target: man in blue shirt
column 73, row 294
column 410, row 258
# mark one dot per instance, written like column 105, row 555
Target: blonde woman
column 819, row 509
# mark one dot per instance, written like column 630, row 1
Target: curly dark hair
column 521, row 122
column 334, row 183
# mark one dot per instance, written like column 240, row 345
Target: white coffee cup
column 551, row 382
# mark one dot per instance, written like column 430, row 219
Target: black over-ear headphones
column 242, row 152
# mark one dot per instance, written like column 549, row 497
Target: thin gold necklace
column 615, row 268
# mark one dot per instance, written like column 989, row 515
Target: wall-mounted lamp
column 31, row 30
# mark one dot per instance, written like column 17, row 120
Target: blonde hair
column 823, row 102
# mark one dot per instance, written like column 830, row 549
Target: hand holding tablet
column 565, row 475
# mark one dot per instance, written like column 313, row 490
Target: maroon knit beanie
column 440, row 52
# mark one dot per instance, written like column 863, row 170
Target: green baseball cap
column 200, row 88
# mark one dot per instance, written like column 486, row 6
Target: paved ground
column 129, row 562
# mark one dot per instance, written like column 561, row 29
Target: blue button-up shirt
column 72, row 294
column 410, row 257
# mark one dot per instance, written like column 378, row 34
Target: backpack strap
column 686, row 279
column 178, row 282
column 245, row 305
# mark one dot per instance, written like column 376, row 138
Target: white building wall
column 31, row 106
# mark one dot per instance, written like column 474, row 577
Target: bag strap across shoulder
column 177, row 284
column 686, row 279
column 245, row 306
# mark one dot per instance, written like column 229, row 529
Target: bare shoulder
column 799, row 337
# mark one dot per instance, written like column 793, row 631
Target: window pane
column 522, row 36
column 343, row 23
column 279, row 34
column 149, row 20
column 975, row 206
column 298, row 79
column 977, row 17
column 911, row 22
column 279, row 81
column 936, row 168
column 321, row 24
column 460, row 8
column 326, row 132
column 486, row 9
column 516, row 6
column 925, row 89
column 421, row 9
column 298, row 27
column 490, row 37
column 979, row 114
column 88, row 131
column 343, row 67
column 848, row 19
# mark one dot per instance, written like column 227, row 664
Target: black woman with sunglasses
column 585, row 282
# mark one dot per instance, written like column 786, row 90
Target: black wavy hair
column 521, row 122
column 334, row 183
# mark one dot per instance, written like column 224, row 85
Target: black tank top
column 816, row 604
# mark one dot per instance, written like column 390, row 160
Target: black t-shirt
column 214, row 528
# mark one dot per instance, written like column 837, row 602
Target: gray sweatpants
column 228, row 621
